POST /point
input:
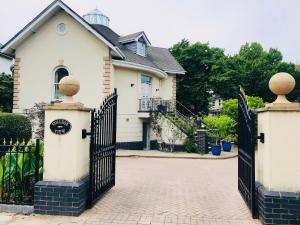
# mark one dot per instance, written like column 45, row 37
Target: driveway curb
column 209, row 157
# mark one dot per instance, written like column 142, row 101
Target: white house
column 5, row 63
column 59, row 42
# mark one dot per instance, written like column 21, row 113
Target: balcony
column 147, row 105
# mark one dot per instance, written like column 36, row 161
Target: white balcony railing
column 156, row 105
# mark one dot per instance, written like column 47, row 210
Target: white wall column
column 65, row 185
column 66, row 156
column 278, row 158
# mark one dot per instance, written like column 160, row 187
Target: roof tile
column 159, row 58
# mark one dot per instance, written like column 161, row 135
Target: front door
column 145, row 135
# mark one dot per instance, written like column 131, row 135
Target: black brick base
column 136, row 145
column 60, row 198
column 278, row 208
column 154, row 145
column 176, row 148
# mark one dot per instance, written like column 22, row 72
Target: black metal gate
column 246, row 153
column 103, row 148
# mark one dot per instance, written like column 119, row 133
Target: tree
column 210, row 69
column 197, row 59
column 251, row 68
column 6, row 92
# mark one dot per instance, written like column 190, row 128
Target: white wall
column 78, row 50
column 66, row 157
column 166, row 88
column 278, row 167
column 5, row 65
column 130, row 126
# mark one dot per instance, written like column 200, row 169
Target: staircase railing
column 186, row 114
column 184, row 110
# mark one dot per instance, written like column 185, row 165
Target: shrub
column 220, row 128
column 188, row 128
column 18, row 170
column 230, row 106
column 255, row 102
column 36, row 115
column 15, row 127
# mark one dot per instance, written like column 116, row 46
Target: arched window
column 58, row 75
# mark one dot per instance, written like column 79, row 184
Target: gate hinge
column 261, row 137
column 84, row 133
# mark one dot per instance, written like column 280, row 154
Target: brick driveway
column 165, row 191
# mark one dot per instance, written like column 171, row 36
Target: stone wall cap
column 67, row 106
column 280, row 107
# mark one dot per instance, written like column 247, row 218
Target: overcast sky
column 223, row 23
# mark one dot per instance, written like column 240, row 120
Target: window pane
column 59, row 74
column 57, row 94
column 146, row 80
column 141, row 48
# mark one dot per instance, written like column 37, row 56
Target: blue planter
column 226, row 146
column 216, row 149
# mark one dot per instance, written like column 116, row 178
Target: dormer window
column 137, row 43
column 141, row 49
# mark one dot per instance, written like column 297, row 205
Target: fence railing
column 21, row 166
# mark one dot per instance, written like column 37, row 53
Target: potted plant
column 213, row 132
column 226, row 144
column 226, row 126
column 215, row 147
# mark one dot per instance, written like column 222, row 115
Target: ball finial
column 282, row 84
column 69, row 86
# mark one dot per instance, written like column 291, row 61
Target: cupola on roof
column 96, row 17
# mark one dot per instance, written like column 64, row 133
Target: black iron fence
column 21, row 166
column 156, row 105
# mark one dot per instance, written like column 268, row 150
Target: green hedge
column 15, row 127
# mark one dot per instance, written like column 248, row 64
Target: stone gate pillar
column 278, row 158
column 63, row 190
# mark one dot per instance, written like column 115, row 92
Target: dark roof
column 164, row 59
column 4, row 55
column 159, row 58
column 107, row 33
column 130, row 37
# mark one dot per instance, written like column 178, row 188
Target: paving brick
column 165, row 192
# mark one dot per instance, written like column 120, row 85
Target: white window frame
column 54, row 83
column 141, row 49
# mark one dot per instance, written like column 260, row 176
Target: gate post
column 202, row 140
column 63, row 190
column 278, row 167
